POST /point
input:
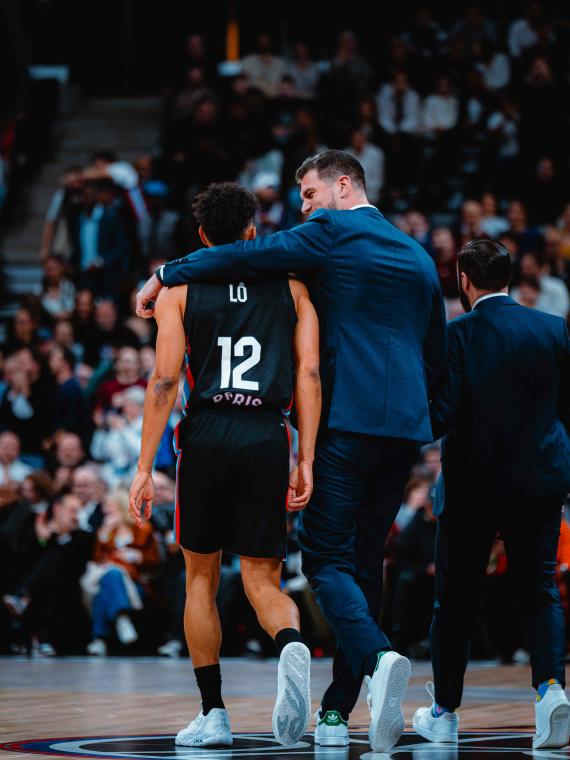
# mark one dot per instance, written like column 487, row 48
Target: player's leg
column 531, row 533
column 279, row 617
column 204, row 637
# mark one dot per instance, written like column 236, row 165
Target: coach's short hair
column 486, row 263
column 224, row 210
column 332, row 164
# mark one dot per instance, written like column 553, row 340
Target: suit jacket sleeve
column 296, row 250
column 448, row 400
column 435, row 344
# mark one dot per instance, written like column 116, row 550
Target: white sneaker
column 386, row 690
column 126, row 631
column 292, row 710
column 172, row 648
column 330, row 729
column 97, row 648
column 552, row 714
column 443, row 729
column 207, row 730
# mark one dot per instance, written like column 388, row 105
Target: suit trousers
column 530, row 528
column 359, row 483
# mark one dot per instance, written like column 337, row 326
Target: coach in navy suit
column 506, row 468
column 383, row 350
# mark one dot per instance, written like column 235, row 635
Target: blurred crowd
column 462, row 131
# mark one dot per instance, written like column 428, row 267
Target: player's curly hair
column 224, row 210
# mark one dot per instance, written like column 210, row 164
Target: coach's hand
column 148, row 292
column 141, row 494
column 300, row 487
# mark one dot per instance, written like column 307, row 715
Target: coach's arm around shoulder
column 299, row 249
column 307, row 395
column 160, row 396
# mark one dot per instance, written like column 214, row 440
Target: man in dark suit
column 383, row 349
column 506, row 468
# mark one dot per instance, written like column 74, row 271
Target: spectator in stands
column 127, row 374
column 399, row 107
column 23, row 331
column 109, row 335
column 416, row 497
column 11, row 466
column 399, row 114
column 474, row 27
column 491, row 223
column 527, row 292
column 413, row 595
column 554, row 297
column 105, row 165
column 64, row 336
column 471, row 225
column 48, row 591
column 493, row 65
column 68, row 403
column 444, row 251
column 372, row 159
column 418, row 227
column 526, row 237
column 264, row 69
column 158, row 230
column 88, row 485
column 303, row 71
column 270, row 211
column 503, row 126
column 25, row 408
column 58, row 293
column 545, row 193
column 543, row 106
column 116, row 442
column 114, row 584
column 440, row 110
column 63, row 209
column 37, row 490
column 523, row 32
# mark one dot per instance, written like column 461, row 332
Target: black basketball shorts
column 232, row 479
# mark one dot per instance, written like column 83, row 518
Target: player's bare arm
column 307, row 393
column 160, row 395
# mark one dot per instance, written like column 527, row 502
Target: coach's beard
column 465, row 302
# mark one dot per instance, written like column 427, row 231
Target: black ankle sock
column 209, row 680
column 371, row 661
column 286, row 636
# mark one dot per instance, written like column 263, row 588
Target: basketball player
column 243, row 341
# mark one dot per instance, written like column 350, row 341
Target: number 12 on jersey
column 240, row 369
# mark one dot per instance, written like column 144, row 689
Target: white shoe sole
column 432, row 736
column 292, row 711
column 211, row 741
column 332, row 741
column 559, row 729
column 387, row 716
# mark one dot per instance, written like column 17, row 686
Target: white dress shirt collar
column 361, row 205
column 489, row 295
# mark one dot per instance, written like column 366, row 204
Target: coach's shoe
column 552, row 714
column 386, row 688
column 330, row 729
column 292, row 710
column 208, row 730
column 443, row 729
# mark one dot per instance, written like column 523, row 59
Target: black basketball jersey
column 239, row 345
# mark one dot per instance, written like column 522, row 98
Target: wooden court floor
column 77, row 697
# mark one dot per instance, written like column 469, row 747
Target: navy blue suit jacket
column 505, row 405
column 380, row 308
